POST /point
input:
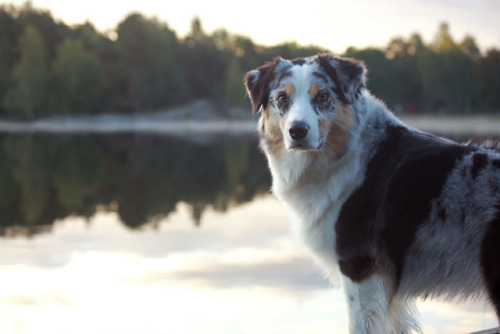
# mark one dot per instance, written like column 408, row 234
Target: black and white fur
column 401, row 213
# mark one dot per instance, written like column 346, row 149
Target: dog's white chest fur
column 313, row 191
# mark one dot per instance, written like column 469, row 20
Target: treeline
column 48, row 67
column 443, row 76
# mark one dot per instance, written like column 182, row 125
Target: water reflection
column 48, row 177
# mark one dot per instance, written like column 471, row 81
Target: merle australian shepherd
column 402, row 213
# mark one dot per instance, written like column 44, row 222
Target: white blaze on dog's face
column 304, row 100
column 299, row 99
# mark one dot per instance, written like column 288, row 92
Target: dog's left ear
column 257, row 85
column 349, row 75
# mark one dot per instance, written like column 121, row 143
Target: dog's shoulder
column 407, row 171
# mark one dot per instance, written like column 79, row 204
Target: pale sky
column 333, row 24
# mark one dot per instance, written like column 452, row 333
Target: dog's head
column 305, row 103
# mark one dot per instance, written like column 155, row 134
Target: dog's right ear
column 257, row 85
column 349, row 75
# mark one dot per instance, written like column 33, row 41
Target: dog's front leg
column 374, row 309
column 368, row 305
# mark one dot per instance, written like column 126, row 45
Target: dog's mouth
column 299, row 146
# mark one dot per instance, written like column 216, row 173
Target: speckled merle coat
column 402, row 213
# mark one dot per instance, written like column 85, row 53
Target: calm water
column 151, row 234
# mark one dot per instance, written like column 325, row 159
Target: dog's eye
column 283, row 99
column 323, row 96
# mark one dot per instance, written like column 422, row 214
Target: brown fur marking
column 272, row 133
column 289, row 89
column 313, row 91
column 339, row 131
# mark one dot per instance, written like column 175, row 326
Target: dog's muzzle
column 298, row 132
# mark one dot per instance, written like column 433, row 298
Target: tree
column 6, row 61
column 149, row 50
column 470, row 49
column 403, row 54
column 52, row 32
column 443, row 41
column 29, row 76
column 234, row 91
column 489, row 72
column 8, row 48
column 383, row 77
column 291, row 50
column 454, row 71
column 79, row 78
column 205, row 64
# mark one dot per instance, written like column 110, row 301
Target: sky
column 330, row 24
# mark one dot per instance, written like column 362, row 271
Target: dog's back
column 429, row 210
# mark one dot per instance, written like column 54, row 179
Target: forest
column 50, row 68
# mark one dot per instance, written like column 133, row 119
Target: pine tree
column 233, row 89
column 29, row 76
column 79, row 78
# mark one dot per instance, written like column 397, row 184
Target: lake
column 138, row 233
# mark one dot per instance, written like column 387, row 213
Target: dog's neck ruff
column 293, row 171
column 298, row 177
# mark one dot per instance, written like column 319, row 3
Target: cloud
column 295, row 274
column 261, row 224
column 60, row 298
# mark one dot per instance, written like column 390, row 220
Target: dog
column 397, row 213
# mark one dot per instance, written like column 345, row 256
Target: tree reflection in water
column 143, row 177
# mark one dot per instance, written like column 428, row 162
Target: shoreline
column 156, row 124
column 138, row 126
column 480, row 125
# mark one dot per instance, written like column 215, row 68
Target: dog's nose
column 298, row 130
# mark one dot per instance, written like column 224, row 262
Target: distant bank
column 452, row 126
column 203, row 116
